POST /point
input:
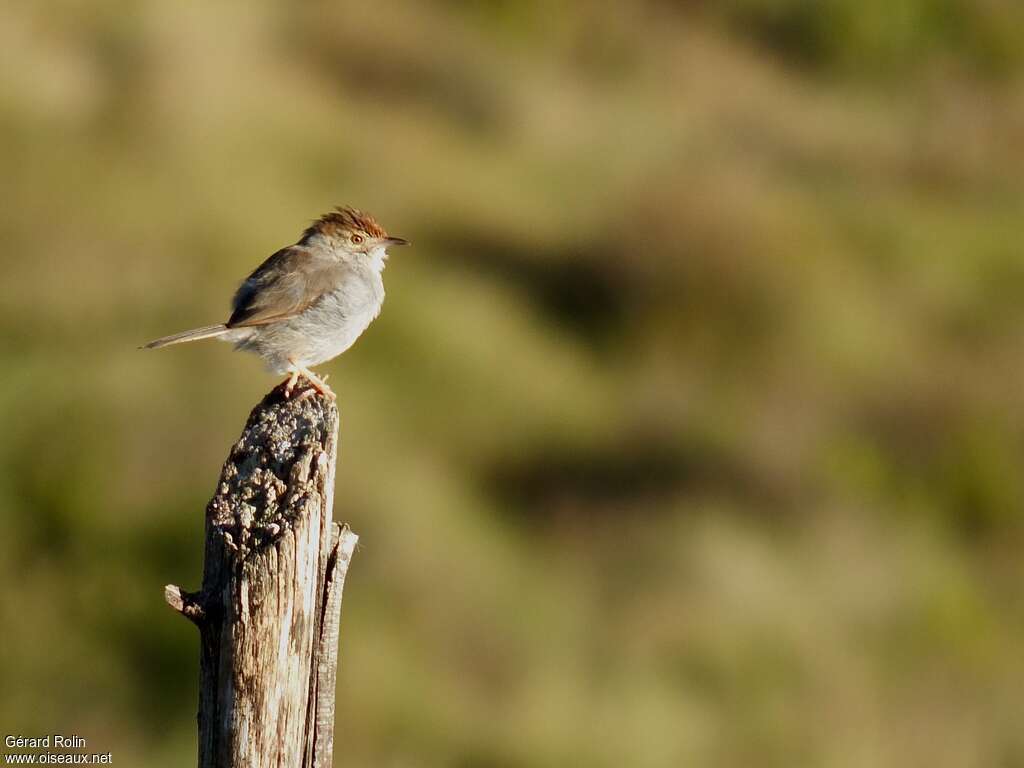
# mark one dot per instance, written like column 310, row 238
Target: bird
column 308, row 302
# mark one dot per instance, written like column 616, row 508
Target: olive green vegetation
column 692, row 430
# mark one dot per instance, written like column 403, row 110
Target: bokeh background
column 692, row 430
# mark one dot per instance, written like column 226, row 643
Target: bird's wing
column 282, row 287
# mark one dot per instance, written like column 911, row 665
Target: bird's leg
column 291, row 380
column 320, row 385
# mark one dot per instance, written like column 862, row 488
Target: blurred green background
column 691, row 432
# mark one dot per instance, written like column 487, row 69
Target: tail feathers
column 206, row 332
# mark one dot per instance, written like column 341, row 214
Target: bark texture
column 269, row 607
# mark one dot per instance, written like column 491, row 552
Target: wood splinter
column 185, row 603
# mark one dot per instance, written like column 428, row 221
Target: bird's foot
column 317, row 384
column 320, row 385
column 290, row 384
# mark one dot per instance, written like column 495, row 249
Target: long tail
column 206, row 332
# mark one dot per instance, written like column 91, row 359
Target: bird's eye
column 357, row 239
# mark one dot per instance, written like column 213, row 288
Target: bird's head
column 351, row 233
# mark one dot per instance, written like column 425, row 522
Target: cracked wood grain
column 270, row 603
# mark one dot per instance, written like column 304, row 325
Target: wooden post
column 268, row 610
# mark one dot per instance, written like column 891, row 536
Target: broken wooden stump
column 270, row 603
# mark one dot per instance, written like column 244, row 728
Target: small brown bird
column 308, row 302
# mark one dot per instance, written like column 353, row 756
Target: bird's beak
column 389, row 241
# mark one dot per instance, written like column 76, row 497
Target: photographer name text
column 45, row 742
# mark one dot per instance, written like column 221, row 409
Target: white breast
column 337, row 320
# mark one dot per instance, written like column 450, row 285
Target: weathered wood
column 269, row 607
